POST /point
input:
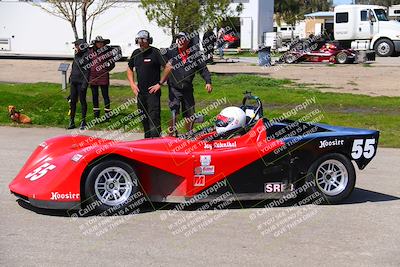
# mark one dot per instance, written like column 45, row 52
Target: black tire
column 384, row 48
column 316, row 184
column 290, row 58
column 99, row 173
column 342, row 58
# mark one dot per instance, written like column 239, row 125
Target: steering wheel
column 253, row 113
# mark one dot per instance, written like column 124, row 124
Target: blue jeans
column 221, row 51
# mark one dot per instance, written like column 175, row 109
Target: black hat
column 100, row 39
column 182, row 35
column 79, row 42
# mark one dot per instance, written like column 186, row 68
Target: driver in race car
column 231, row 122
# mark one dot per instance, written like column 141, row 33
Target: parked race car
column 327, row 53
column 244, row 153
column 231, row 40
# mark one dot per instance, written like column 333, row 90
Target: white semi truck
column 367, row 27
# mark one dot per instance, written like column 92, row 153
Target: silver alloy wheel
column 290, row 58
column 383, row 48
column 113, row 186
column 341, row 57
column 332, row 177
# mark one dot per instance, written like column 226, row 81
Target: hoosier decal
column 70, row 195
column 326, row 143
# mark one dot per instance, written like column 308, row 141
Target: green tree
column 187, row 15
column 309, row 6
column 288, row 11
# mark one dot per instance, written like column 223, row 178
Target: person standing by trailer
column 221, row 42
column 185, row 63
column 147, row 62
column 79, row 82
column 209, row 40
column 102, row 63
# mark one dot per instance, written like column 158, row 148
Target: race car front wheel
column 333, row 177
column 341, row 58
column 110, row 185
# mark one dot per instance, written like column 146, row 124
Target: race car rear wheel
column 109, row 186
column 341, row 58
column 290, row 58
column 333, row 176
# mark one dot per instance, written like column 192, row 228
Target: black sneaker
column 83, row 125
column 71, row 124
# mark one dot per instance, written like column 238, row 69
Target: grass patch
column 118, row 76
column 45, row 103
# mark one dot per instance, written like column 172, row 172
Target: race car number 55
column 40, row 171
column 367, row 151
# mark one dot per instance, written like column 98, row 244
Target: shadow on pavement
column 358, row 196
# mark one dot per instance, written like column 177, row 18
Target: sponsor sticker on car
column 199, row 180
column 228, row 144
column 276, row 187
column 326, row 143
column 70, row 195
column 205, row 160
column 204, row 170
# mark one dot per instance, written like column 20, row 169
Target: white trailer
column 394, row 12
column 27, row 30
column 361, row 24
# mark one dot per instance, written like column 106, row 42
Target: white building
column 27, row 30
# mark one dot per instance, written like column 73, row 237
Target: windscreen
column 381, row 14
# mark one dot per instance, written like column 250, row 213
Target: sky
column 339, row 2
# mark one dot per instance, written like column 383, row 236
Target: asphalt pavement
column 363, row 231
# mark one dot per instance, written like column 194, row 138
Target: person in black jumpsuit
column 79, row 80
column 186, row 63
column 147, row 62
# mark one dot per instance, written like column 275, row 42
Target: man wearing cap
column 147, row 62
column 79, row 82
column 102, row 63
column 185, row 62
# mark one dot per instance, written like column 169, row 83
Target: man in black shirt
column 147, row 62
column 185, row 60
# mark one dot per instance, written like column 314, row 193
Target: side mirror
column 371, row 17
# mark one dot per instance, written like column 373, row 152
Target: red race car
column 244, row 154
column 327, row 53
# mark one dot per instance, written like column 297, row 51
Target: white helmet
column 230, row 118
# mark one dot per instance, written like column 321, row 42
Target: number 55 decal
column 358, row 151
column 40, row 171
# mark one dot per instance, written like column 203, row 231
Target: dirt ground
column 378, row 78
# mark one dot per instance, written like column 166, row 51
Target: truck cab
column 369, row 23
